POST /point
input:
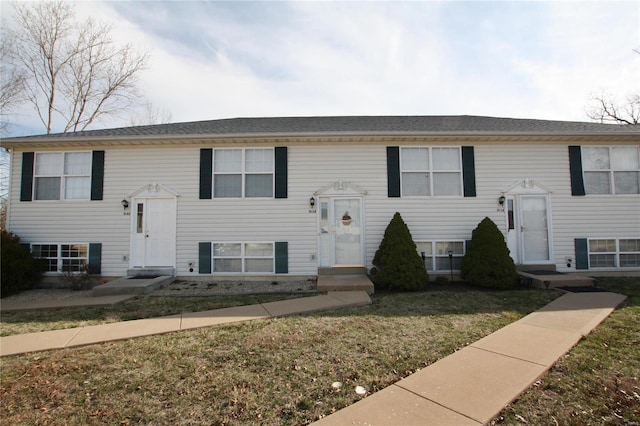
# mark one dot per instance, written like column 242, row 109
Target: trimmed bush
column 20, row 271
column 487, row 262
column 398, row 266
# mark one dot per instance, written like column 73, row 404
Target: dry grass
column 275, row 372
column 21, row 322
column 598, row 382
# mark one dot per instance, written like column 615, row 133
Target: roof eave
column 137, row 139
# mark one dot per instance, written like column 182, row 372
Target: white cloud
column 520, row 59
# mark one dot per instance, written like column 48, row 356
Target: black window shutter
column 282, row 257
column 26, row 182
column 95, row 258
column 206, row 174
column 575, row 169
column 204, row 258
column 468, row 171
column 281, row 169
column 582, row 253
column 97, row 175
column 393, row 171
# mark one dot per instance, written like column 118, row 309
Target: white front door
column 341, row 237
column 153, row 232
column 528, row 228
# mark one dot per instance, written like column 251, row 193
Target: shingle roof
column 273, row 126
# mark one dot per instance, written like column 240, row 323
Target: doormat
column 543, row 272
column 143, row 277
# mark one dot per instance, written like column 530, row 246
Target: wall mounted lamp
column 501, row 200
column 312, row 202
column 125, row 204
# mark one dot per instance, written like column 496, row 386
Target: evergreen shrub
column 487, row 262
column 20, row 270
column 398, row 266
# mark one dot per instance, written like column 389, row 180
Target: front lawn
column 276, row 372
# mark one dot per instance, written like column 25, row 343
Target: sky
column 536, row 59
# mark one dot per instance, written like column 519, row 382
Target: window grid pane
column 47, row 188
column 602, row 246
column 243, row 257
column 430, row 171
column 440, row 256
column 62, row 257
column 626, row 182
column 446, row 159
column 259, row 160
column 62, row 174
column 602, row 260
column 629, row 260
column 629, row 245
column 241, row 173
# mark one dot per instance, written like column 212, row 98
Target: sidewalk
column 471, row 386
column 79, row 336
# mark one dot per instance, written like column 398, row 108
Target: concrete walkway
column 79, row 336
column 471, row 386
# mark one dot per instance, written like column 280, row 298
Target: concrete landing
column 554, row 280
column 472, row 386
column 359, row 282
column 130, row 285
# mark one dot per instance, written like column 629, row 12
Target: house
column 287, row 197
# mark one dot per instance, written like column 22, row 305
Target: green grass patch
column 277, row 371
column 598, row 382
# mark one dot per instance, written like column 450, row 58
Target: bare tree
column 74, row 70
column 605, row 108
column 11, row 79
column 150, row 115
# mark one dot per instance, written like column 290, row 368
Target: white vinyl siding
column 61, row 257
column 614, row 253
column 431, row 171
column 243, row 257
column 62, row 175
column 311, row 167
column 243, row 173
column 611, row 170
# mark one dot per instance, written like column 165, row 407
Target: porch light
column 312, row 202
column 501, row 200
column 125, row 204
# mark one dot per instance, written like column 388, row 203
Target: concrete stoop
column 358, row 282
column 558, row 280
column 131, row 285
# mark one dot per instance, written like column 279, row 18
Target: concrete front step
column 343, row 270
column 127, row 285
column 558, row 280
column 350, row 282
column 537, row 267
column 151, row 272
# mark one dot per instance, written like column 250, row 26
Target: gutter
column 47, row 139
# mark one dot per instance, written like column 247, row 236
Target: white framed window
column 61, row 257
column 243, row 173
column 247, row 257
column 611, row 169
column 436, row 255
column 62, row 176
column 431, row 171
column 614, row 253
